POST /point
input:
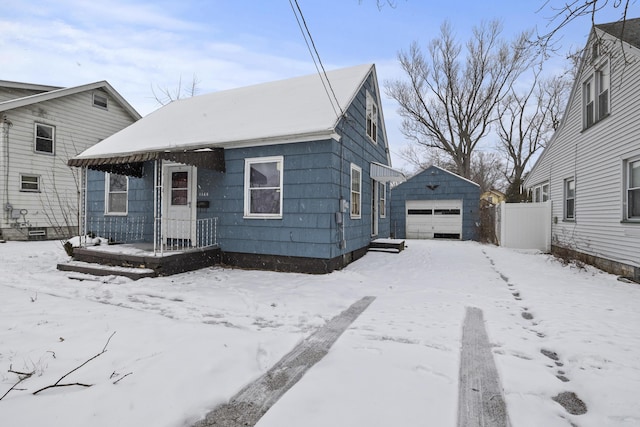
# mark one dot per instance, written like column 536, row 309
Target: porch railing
column 118, row 229
column 175, row 234
column 178, row 234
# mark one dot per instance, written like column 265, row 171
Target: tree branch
column 57, row 383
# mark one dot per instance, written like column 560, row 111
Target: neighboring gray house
column 41, row 128
column 590, row 170
column 288, row 175
column 434, row 204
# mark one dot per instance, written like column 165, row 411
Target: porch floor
column 140, row 256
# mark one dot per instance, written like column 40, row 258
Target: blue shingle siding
column 450, row 187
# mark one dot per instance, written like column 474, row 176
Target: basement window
column 30, row 183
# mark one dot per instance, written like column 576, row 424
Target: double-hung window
column 633, row 190
column 383, row 200
column 570, row 199
column 356, row 191
column 44, row 138
column 372, row 118
column 117, row 189
column 263, row 187
column 30, row 183
column 595, row 94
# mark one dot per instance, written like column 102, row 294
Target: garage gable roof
column 431, row 168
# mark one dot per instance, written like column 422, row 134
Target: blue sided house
column 436, row 203
column 291, row 175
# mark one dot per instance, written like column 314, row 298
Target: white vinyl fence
column 524, row 225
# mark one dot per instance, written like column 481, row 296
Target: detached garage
column 435, row 204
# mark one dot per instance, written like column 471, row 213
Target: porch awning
column 383, row 173
column 131, row 165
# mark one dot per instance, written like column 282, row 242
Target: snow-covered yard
column 185, row 343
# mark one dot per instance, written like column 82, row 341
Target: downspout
column 6, row 124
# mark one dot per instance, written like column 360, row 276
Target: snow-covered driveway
column 191, row 341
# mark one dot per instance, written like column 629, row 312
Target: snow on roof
column 289, row 110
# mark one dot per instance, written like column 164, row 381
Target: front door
column 179, row 213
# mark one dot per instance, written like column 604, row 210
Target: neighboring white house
column 590, row 170
column 41, row 127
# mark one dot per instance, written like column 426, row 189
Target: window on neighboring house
column 541, row 193
column 117, row 188
column 372, row 118
column 537, row 194
column 633, row 190
column 263, row 187
column 383, row 200
column 29, row 183
column 100, row 100
column 44, row 138
column 570, row 199
column 356, row 191
column 595, row 92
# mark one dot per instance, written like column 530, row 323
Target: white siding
column 595, row 158
column 78, row 125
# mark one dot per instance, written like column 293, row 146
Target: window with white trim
column 570, row 199
column 30, row 183
column 595, row 94
column 116, row 194
column 356, row 191
column 541, row 193
column 44, row 138
column 537, row 194
column 372, row 118
column 383, row 200
column 100, row 100
column 263, row 187
column 633, row 189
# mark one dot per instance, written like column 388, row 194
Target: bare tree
column 528, row 119
column 487, row 170
column 166, row 95
column 449, row 99
column 562, row 13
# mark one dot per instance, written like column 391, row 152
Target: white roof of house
column 291, row 110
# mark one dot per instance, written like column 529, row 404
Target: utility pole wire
column 305, row 33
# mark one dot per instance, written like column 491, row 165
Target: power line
column 317, row 55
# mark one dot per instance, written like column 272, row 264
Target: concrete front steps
column 128, row 261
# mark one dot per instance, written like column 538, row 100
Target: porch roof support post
column 82, row 205
column 157, row 207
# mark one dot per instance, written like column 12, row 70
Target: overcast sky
column 138, row 45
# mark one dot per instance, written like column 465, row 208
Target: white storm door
column 374, row 207
column 179, row 210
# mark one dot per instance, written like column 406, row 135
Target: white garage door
column 433, row 219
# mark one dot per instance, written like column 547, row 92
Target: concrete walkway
column 480, row 401
column 252, row 402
